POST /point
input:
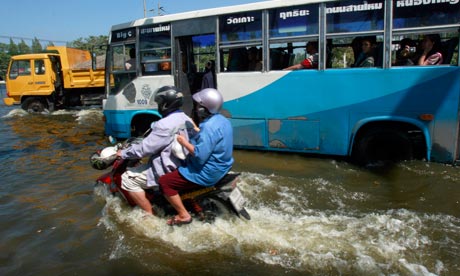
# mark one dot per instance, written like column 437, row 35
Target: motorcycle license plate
column 237, row 199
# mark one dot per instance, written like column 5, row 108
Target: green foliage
column 4, row 59
column 94, row 44
column 13, row 48
column 342, row 57
column 23, row 47
column 36, row 46
column 203, row 55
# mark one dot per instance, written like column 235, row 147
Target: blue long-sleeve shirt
column 213, row 156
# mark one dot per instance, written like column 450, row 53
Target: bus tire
column 33, row 105
column 382, row 144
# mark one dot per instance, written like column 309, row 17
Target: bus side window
column 405, row 52
column 370, row 52
column 450, row 47
column 238, row 33
column 254, row 59
column 237, row 60
column 291, row 54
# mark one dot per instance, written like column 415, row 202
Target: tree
column 4, row 59
column 36, row 46
column 93, row 43
column 13, row 48
column 23, row 47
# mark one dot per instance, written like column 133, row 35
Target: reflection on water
column 310, row 216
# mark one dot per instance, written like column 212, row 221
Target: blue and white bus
column 391, row 110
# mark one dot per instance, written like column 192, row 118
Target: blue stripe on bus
column 313, row 92
column 312, row 122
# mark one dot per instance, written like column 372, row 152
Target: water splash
column 16, row 113
column 285, row 231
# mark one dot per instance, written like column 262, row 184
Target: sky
column 63, row 21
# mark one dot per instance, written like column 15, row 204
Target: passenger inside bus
column 311, row 62
column 209, row 77
column 131, row 63
column 431, row 46
column 406, row 53
column 367, row 56
column 254, row 60
column 165, row 65
column 237, row 60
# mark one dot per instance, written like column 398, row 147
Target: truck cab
column 30, row 77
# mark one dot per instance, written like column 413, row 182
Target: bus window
column 367, row 51
column 238, row 33
column 283, row 55
column 123, row 58
column 120, row 61
column 204, row 50
column 130, row 64
column 290, row 31
column 344, row 52
column 406, row 49
column 356, row 31
column 450, row 48
column 254, row 59
column 155, row 49
column 356, row 51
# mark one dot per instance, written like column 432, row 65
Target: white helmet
column 209, row 98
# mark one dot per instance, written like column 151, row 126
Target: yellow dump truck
column 62, row 77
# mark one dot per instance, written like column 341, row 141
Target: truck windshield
column 19, row 68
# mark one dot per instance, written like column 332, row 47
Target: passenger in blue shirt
column 210, row 154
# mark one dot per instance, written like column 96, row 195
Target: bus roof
column 215, row 11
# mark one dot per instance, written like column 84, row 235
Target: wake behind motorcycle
column 204, row 204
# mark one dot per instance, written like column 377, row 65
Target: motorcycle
column 204, row 203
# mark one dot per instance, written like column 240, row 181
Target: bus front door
column 183, row 72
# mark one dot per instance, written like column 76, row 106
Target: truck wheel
column 33, row 105
column 382, row 144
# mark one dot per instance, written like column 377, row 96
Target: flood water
column 310, row 216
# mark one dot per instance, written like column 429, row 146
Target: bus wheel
column 33, row 105
column 382, row 144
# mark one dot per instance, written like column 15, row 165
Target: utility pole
column 145, row 10
column 160, row 9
